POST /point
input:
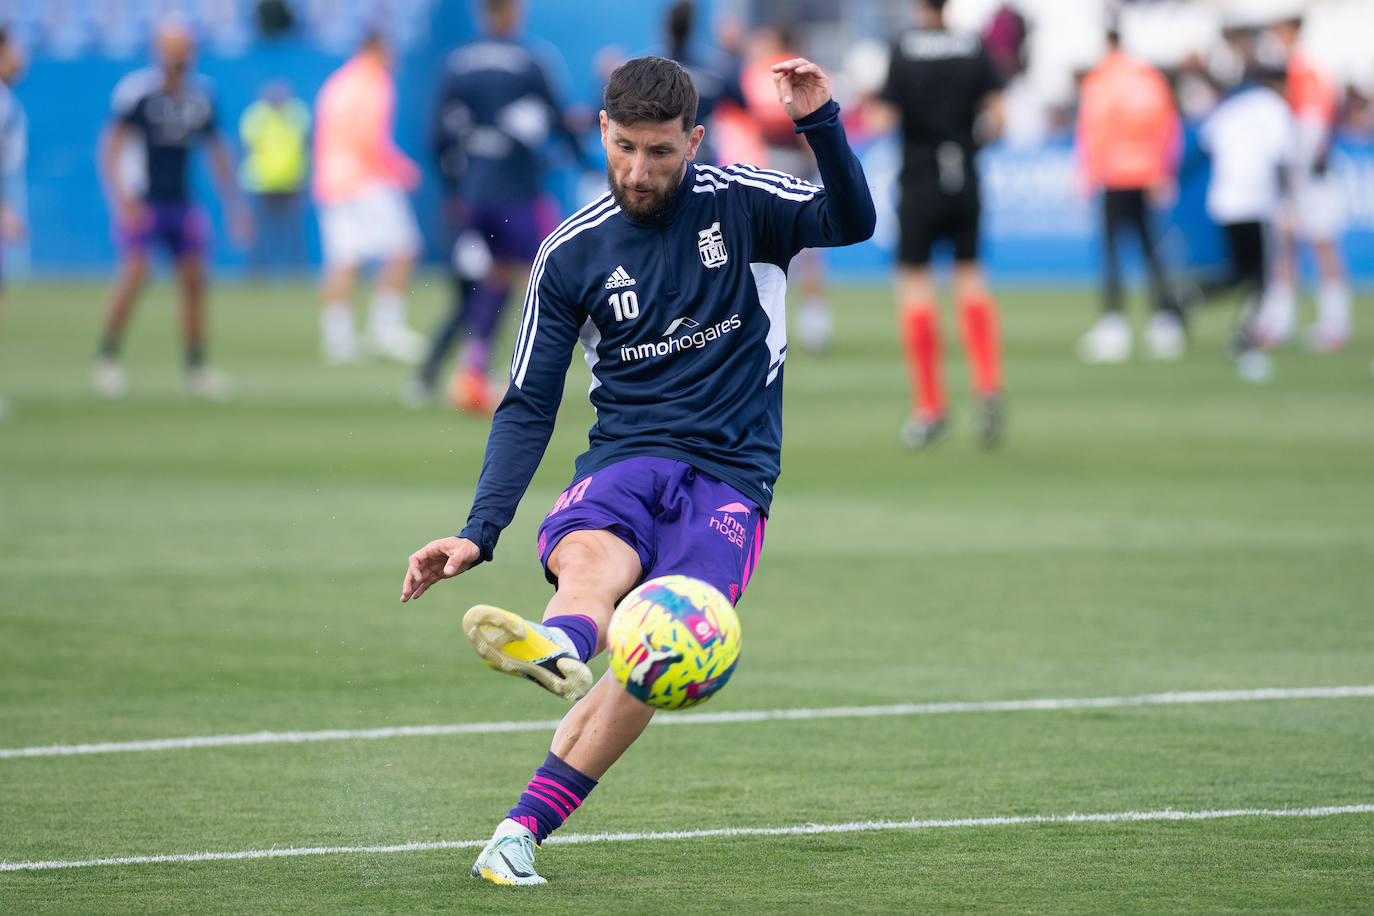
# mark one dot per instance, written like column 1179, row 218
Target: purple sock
column 552, row 796
column 581, row 630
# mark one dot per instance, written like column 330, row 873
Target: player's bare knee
column 594, row 562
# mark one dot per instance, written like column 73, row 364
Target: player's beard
column 644, row 209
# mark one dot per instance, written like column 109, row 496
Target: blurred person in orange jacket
column 1314, row 212
column 787, row 152
column 1128, row 141
column 360, row 184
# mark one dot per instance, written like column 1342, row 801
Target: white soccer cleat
column 514, row 645
column 109, row 379
column 509, row 858
column 338, row 339
column 815, row 325
column 1109, row 340
column 207, row 384
column 1327, row 337
column 398, row 342
column 1164, row 337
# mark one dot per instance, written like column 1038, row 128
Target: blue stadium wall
column 1036, row 227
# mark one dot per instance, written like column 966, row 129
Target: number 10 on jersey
column 626, row 305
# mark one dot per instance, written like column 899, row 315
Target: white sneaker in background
column 207, row 384
column 338, row 339
column 109, row 379
column 815, row 325
column 1164, row 337
column 1109, row 341
column 1327, row 337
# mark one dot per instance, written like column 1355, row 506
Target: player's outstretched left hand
column 441, row 559
column 802, row 87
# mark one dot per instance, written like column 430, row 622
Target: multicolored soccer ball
column 674, row 642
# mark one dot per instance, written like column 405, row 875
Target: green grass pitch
column 173, row 569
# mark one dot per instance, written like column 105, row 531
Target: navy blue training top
column 681, row 321
column 497, row 109
column 168, row 124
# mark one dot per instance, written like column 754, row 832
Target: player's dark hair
column 1114, row 37
column 937, row 5
column 651, row 89
column 681, row 18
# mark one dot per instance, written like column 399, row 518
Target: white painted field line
column 702, row 718
column 1168, row 814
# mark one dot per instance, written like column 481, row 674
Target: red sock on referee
column 921, row 337
column 978, row 322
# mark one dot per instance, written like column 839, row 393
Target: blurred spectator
column 1250, row 137
column 946, row 95
column 13, row 150
column 274, row 18
column 159, row 115
column 1314, row 213
column 273, row 131
column 786, row 151
column 716, row 74
column 497, row 111
column 360, row 183
column 1004, row 40
column 1128, row 147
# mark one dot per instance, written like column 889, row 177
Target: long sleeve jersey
column 681, row 321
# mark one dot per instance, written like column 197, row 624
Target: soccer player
column 160, row 115
column 1315, row 209
column 1252, row 142
column 496, row 111
column 360, row 182
column 1128, row 146
column 674, row 282
column 13, row 149
column 944, row 90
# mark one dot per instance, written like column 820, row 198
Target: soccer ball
column 673, row 642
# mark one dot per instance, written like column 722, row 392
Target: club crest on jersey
column 711, row 246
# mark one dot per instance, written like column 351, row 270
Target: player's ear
column 694, row 141
column 605, row 123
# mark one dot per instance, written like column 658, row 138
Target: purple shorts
column 181, row 228
column 678, row 519
column 512, row 231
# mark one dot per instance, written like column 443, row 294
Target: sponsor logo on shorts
column 570, row 496
column 725, row 522
column 683, row 334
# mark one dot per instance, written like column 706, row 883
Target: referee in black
column 944, row 93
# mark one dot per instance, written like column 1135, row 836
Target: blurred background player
column 1128, row 142
column 274, row 131
column 787, row 152
column 1314, row 212
column 946, row 96
column 13, row 150
column 716, row 74
column 360, row 181
column 496, row 112
column 1251, row 139
column 159, row 115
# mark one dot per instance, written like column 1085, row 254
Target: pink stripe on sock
column 562, row 790
column 547, row 796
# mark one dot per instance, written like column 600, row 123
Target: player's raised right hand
column 441, row 559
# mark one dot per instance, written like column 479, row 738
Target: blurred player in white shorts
column 360, row 185
column 1314, row 213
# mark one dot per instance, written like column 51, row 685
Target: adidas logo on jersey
column 619, row 278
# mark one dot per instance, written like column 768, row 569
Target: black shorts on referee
column 926, row 214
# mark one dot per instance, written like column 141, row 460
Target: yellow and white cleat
column 509, row 857
column 510, row 643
